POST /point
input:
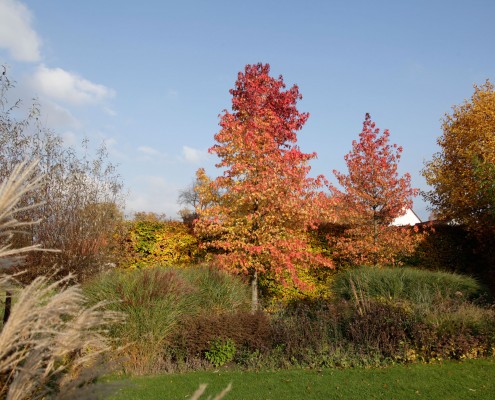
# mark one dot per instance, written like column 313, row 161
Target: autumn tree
column 462, row 173
column 260, row 209
column 373, row 196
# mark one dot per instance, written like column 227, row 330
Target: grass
column 156, row 301
column 405, row 283
column 472, row 379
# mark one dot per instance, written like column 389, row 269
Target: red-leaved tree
column 374, row 195
column 258, row 212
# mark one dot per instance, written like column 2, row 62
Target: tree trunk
column 8, row 306
column 254, row 292
column 375, row 237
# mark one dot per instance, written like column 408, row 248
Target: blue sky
column 150, row 78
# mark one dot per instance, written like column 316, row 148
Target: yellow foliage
column 148, row 243
column 462, row 172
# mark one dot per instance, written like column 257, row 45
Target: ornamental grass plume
column 52, row 345
column 20, row 182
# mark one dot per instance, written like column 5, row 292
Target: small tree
column 374, row 195
column 189, row 198
column 257, row 214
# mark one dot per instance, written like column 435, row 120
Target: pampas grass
column 53, row 345
column 20, row 182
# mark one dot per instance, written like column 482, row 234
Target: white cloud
column 16, row 34
column 148, row 151
column 62, row 85
column 194, row 156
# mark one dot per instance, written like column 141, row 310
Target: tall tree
column 260, row 209
column 374, row 195
column 462, row 173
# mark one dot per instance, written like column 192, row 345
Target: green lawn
column 450, row 380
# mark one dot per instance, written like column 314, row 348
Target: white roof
column 409, row 218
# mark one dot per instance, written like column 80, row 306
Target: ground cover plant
column 448, row 380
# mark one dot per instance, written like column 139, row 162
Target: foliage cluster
column 221, row 352
column 462, row 172
column 451, row 247
column 151, row 241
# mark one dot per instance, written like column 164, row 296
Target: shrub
column 304, row 326
column 453, row 248
column 407, row 314
column 419, row 287
column 221, row 352
column 150, row 240
column 249, row 332
column 382, row 328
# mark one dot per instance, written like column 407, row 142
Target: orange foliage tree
column 374, row 195
column 462, row 174
column 260, row 209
